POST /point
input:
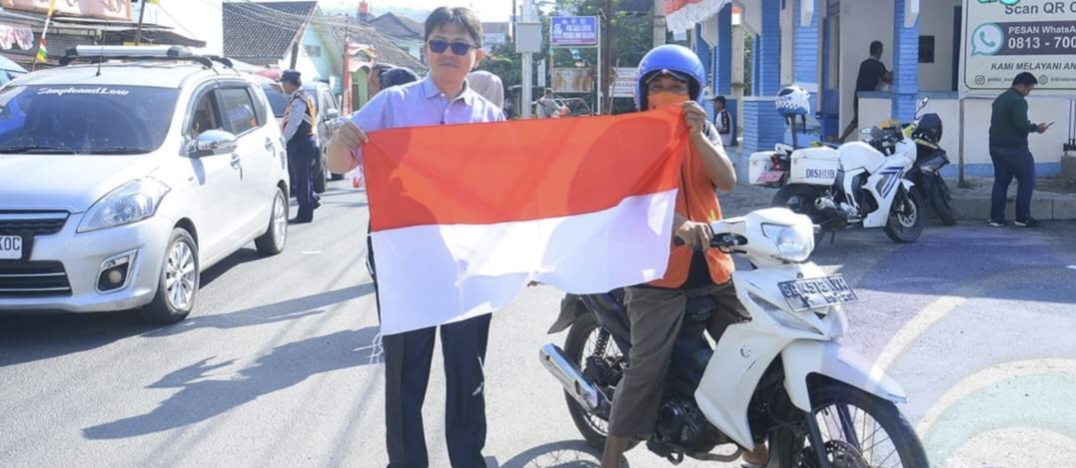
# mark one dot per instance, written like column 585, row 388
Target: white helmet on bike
column 793, row 101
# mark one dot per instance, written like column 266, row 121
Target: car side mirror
column 212, row 142
column 332, row 114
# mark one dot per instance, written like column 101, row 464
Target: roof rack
column 97, row 53
column 224, row 60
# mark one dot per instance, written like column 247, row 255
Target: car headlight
column 130, row 203
column 794, row 243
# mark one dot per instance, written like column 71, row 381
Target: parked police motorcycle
column 775, row 378
column 930, row 159
column 869, row 187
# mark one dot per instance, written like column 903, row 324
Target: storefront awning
column 683, row 15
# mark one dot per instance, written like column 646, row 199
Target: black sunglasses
column 458, row 48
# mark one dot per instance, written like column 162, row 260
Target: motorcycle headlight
column 794, row 243
column 130, row 203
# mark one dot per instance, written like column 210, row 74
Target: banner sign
column 1007, row 37
column 624, row 82
column 576, row 31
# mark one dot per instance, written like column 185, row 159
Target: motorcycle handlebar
column 720, row 241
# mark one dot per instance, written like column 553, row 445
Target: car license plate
column 770, row 176
column 806, row 294
column 10, row 247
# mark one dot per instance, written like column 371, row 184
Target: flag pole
column 138, row 32
column 42, row 47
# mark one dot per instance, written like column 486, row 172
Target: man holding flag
column 453, row 48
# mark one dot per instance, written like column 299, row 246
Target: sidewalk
column 1054, row 199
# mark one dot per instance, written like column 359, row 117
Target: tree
column 632, row 27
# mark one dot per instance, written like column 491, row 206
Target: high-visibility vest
column 696, row 201
column 309, row 119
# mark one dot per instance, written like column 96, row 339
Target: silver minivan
column 120, row 182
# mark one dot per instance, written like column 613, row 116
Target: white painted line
column 312, row 252
column 992, row 376
column 930, row 315
column 1072, row 267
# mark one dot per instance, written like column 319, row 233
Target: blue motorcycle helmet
column 671, row 59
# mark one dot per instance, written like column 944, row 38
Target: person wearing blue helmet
column 672, row 75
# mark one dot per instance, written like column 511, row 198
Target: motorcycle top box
column 809, row 166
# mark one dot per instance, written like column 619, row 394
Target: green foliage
column 632, row 38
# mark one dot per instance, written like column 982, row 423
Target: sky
column 488, row 10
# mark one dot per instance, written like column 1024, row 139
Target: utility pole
column 141, row 16
column 607, row 56
column 347, row 68
column 528, row 70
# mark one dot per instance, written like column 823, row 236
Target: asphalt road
column 276, row 369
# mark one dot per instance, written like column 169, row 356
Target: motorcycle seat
column 700, row 308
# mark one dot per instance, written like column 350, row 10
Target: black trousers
column 302, row 159
column 408, row 359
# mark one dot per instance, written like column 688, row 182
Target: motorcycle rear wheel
column 800, row 198
column 942, row 202
column 830, row 395
column 590, row 426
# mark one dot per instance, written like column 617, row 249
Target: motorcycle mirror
column 922, row 105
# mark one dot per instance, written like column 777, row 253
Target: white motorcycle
column 859, row 184
column 778, row 377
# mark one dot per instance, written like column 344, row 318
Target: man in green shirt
column 1009, row 126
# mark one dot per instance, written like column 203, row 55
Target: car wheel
column 177, row 286
column 276, row 236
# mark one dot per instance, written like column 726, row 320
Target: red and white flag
column 465, row 216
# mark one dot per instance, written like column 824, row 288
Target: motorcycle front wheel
column 906, row 217
column 587, row 339
column 860, row 430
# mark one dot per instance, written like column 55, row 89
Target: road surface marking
column 927, row 317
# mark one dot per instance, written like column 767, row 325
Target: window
column 259, row 106
column 206, row 116
column 277, row 101
column 313, row 50
column 926, row 49
column 239, row 108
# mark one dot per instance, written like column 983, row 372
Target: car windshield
column 61, row 119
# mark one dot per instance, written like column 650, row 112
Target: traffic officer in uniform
column 299, row 128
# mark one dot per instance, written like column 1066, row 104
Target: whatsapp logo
column 1003, row 2
column 988, row 39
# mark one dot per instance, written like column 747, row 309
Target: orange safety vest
column 696, row 201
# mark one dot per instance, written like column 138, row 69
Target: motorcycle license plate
column 806, row 294
column 10, row 248
column 770, row 176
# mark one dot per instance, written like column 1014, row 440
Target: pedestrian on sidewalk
column 453, row 46
column 487, row 85
column 723, row 121
column 1010, row 124
column 872, row 75
column 373, row 80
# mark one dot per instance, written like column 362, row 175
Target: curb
column 1044, row 207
